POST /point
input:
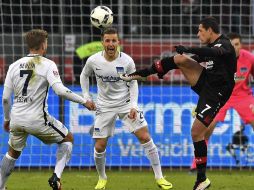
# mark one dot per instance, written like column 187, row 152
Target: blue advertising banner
column 168, row 113
column 167, row 110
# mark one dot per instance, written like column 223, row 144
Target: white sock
column 100, row 159
column 6, row 168
column 152, row 154
column 63, row 157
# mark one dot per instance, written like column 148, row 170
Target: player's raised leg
column 160, row 67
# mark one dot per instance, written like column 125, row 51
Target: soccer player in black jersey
column 213, row 82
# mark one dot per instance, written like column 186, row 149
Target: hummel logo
column 97, row 69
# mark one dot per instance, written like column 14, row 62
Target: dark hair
column 108, row 31
column 34, row 38
column 232, row 36
column 210, row 22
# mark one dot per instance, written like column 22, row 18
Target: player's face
column 110, row 43
column 204, row 35
column 236, row 43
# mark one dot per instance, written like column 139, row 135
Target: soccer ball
column 101, row 17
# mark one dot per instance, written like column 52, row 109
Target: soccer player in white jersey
column 116, row 99
column 29, row 79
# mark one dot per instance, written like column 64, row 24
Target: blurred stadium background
column 149, row 29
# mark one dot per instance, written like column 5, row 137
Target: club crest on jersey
column 243, row 69
column 120, row 70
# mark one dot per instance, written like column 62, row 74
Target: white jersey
column 29, row 78
column 112, row 91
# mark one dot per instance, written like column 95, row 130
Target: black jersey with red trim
column 219, row 61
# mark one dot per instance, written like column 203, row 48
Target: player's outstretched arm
column 66, row 93
column 160, row 67
column 203, row 51
column 84, row 83
column 6, row 102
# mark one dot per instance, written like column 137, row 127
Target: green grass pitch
column 129, row 180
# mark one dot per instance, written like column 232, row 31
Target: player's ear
column 210, row 30
column 44, row 45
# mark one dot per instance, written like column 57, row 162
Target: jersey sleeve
column 84, row 79
column 133, row 85
column 198, row 59
column 6, row 102
column 8, row 81
column 53, row 75
column 217, row 50
column 131, row 68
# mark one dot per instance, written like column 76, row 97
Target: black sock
column 161, row 68
column 168, row 64
column 144, row 72
column 201, row 159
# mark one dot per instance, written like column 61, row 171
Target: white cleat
column 129, row 78
column 202, row 185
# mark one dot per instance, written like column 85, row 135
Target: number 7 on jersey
column 29, row 74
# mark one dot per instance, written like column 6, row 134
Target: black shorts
column 211, row 99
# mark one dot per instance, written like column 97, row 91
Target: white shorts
column 104, row 125
column 53, row 132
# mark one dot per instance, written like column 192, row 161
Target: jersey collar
column 32, row 55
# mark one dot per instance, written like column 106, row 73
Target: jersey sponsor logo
column 108, row 78
column 238, row 77
column 209, row 65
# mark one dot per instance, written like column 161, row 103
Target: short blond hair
column 34, row 38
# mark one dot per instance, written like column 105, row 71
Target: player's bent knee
column 197, row 135
column 143, row 135
column 180, row 59
column 100, row 145
column 13, row 153
column 99, row 148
